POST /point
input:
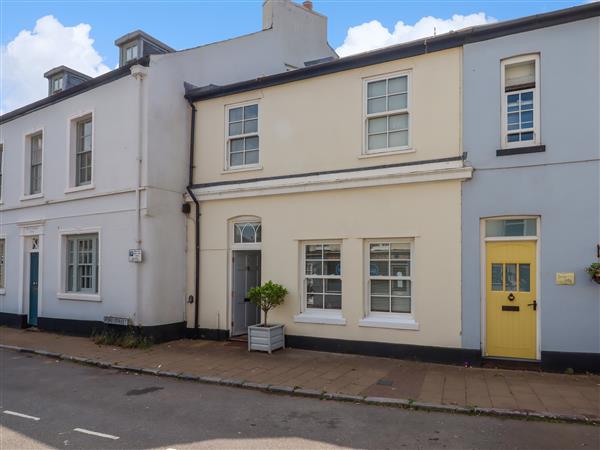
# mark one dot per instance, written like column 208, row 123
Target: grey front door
column 246, row 275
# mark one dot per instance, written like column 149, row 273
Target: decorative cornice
column 359, row 178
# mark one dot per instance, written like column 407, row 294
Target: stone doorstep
column 289, row 390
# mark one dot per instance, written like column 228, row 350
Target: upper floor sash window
column 242, row 136
column 35, row 164
column 520, row 101
column 387, row 114
column 83, row 157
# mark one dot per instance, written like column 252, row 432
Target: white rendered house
column 93, row 178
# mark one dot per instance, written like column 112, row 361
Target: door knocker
column 511, row 297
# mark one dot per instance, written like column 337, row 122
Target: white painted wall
column 296, row 35
column 109, row 205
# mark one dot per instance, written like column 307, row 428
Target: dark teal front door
column 34, row 259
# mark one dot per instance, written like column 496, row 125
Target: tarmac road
column 45, row 403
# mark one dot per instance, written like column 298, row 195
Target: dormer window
column 57, row 84
column 138, row 44
column 62, row 78
column 131, row 53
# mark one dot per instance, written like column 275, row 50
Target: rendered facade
column 436, row 200
column 353, row 245
column 536, row 189
column 433, row 227
column 98, row 169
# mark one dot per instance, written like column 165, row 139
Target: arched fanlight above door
column 247, row 233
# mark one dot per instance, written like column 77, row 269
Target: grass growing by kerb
column 126, row 339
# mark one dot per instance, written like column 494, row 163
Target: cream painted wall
column 427, row 212
column 317, row 124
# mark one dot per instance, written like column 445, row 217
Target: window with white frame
column 387, row 114
column 247, row 233
column 520, row 102
column 35, row 163
column 389, row 277
column 57, row 84
column 82, row 263
column 511, row 227
column 83, row 152
column 2, row 267
column 1, row 169
column 322, row 276
column 131, row 52
column 242, row 132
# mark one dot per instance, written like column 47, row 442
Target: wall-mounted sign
column 565, row 278
column 135, row 255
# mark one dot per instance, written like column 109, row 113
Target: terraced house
column 93, row 177
column 415, row 200
column 342, row 182
column 531, row 213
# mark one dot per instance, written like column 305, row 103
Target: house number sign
column 565, row 278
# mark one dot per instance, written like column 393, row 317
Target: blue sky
column 183, row 24
column 37, row 35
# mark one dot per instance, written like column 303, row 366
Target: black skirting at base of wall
column 158, row 333
column 444, row 355
column 13, row 320
column 207, row 333
column 579, row 362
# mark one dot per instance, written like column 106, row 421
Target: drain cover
column 384, row 382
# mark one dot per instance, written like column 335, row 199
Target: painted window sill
column 320, row 318
column 85, row 187
column 76, row 296
column 400, row 323
column 2, row 291
column 31, row 197
column 387, row 153
column 242, row 169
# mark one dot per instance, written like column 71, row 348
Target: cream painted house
column 341, row 181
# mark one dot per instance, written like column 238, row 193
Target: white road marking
column 24, row 416
column 95, row 433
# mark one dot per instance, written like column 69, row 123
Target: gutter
column 93, row 83
column 190, row 191
column 418, row 47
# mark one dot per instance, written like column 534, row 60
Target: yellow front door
column 511, row 301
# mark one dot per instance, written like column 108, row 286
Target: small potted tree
column 265, row 337
column 594, row 271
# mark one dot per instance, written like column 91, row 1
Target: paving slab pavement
column 363, row 376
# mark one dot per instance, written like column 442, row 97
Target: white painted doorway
column 245, row 272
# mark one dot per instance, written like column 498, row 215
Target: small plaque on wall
column 135, row 255
column 565, row 278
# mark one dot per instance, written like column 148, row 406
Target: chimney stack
column 308, row 4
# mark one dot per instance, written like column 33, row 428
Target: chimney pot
column 308, row 4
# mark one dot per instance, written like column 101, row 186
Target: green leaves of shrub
column 267, row 296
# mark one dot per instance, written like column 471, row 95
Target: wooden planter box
column 265, row 339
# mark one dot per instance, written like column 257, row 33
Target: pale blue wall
column 562, row 185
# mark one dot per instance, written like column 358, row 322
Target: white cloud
column 373, row 34
column 25, row 59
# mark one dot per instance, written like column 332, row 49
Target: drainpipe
column 196, row 221
column 139, row 72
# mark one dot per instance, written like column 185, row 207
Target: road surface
column 45, row 403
